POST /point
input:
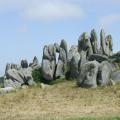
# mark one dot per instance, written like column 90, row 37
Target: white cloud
column 109, row 20
column 43, row 9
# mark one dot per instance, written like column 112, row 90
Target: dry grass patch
column 60, row 101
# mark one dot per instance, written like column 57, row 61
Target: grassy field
column 62, row 101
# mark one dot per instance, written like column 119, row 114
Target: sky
column 27, row 25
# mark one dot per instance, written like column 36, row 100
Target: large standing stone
column 74, row 66
column 102, row 42
column 109, row 45
column 48, row 68
column 61, row 68
column 49, row 62
column 8, row 67
column 84, row 44
column 83, row 58
column 94, row 41
column 62, row 64
column 64, row 46
column 88, row 75
column 106, row 44
column 73, row 50
column 104, row 73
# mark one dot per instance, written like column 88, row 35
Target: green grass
column 105, row 118
column 62, row 101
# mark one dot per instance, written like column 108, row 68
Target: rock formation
column 88, row 74
column 49, row 62
column 18, row 75
column 89, row 63
column 62, row 60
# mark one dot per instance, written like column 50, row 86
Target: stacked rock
column 89, row 63
column 18, row 75
column 50, row 69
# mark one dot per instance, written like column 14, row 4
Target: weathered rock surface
column 88, row 75
column 24, row 63
column 88, row 62
column 84, row 44
column 106, row 44
column 94, row 42
column 104, row 73
column 115, row 76
column 49, row 62
column 61, row 68
column 74, row 66
column 98, row 57
column 48, row 68
column 73, row 50
column 35, row 64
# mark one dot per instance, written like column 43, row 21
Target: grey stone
column 61, row 68
column 106, row 44
column 15, row 76
column 49, row 52
column 48, row 69
column 24, row 63
column 98, row 57
column 14, row 66
column 73, row 50
column 34, row 65
column 6, row 90
column 83, row 57
column 109, row 45
column 94, row 41
column 64, row 46
column 102, row 42
column 57, row 47
column 84, row 44
column 11, row 83
column 115, row 76
column 49, row 62
column 88, row 75
column 104, row 73
column 8, row 67
column 74, row 66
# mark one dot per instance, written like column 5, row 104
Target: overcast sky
column 27, row 25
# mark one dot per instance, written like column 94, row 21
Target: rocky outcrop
column 84, row 44
column 35, row 64
column 18, row 75
column 62, row 60
column 105, row 70
column 89, row 63
column 74, row 66
column 106, row 44
column 94, row 42
column 88, row 75
column 49, row 62
column 50, row 69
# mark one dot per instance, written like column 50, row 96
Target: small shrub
column 37, row 75
column 1, row 82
